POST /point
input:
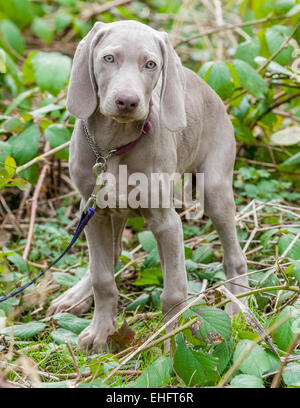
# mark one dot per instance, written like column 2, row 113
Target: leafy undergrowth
column 206, row 343
column 254, row 68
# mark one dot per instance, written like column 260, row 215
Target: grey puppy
column 118, row 68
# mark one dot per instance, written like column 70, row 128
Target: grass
column 50, row 363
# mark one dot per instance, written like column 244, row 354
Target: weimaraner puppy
column 118, row 69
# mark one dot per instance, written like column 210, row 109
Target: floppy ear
column 172, row 105
column 82, row 98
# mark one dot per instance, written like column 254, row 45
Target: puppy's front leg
column 99, row 234
column 167, row 228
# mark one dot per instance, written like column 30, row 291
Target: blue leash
column 89, row 210
column 84, row 219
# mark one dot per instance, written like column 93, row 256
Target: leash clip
column 98, row 169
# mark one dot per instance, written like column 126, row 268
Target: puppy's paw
column 69, row 302
column 94, row 339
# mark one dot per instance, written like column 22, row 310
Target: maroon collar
column 123, row 149
column 118, row 150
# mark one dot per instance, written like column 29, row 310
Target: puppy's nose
column 127, row 103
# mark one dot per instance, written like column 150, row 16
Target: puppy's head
column 115, row 69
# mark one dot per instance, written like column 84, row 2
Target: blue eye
column 150, row 64
column 109, row 58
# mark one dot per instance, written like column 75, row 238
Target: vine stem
column 267, row 289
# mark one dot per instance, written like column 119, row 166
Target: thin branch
column 250, row 318
column 230, row 27
column 275, row 105
column 34, row 206
column 11, row 215
column 74, row 361
column 283, row 45
column 43, row 156
column 96, row 9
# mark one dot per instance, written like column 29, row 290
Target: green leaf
column 242, row 132
column 64, row 279
column 156, row 375
column 51, row 71
column 190, row 230
column 246, row 381
column 272, row 66
column 214, row 324
column 220, row 80
column 155, row 297
column 5, row 150
column 10, row 165
column 150, row 276
column 24, row 331
column 19, row 99
column 250, row 79
column 291, row 374
column 147, row 240
column 262, row 281
column 62, row 21
column 266, row 236
column 203, row 254
column 275, row 36
column 282, row 6
column 152, row 260
column 21, row 183
column 12, row 36
column 255, row 363
column 18, row 260
column 97, row 383
column 61, row 335
column 4, row 177
column 247, row 51
column 194, row 367
column 291, row 161
column 204, row 71
column 285, row 241
column 31, row 174
column 73, row 323
column 19, row 11
column 43, row 30
column 262, row 8
column 27, row 69
column 139, row 301
column 295, row 10
column 296, row 271
column 58, row 135
column 25, row 145
column 194, row 286
column 191, row 265
column 287, row 137
column 2, row 61
column 56, row 384
column 14, row 124
column 223, row 351
column 137, row 223
column 284, row 335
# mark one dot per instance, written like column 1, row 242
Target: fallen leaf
column 123, row 337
